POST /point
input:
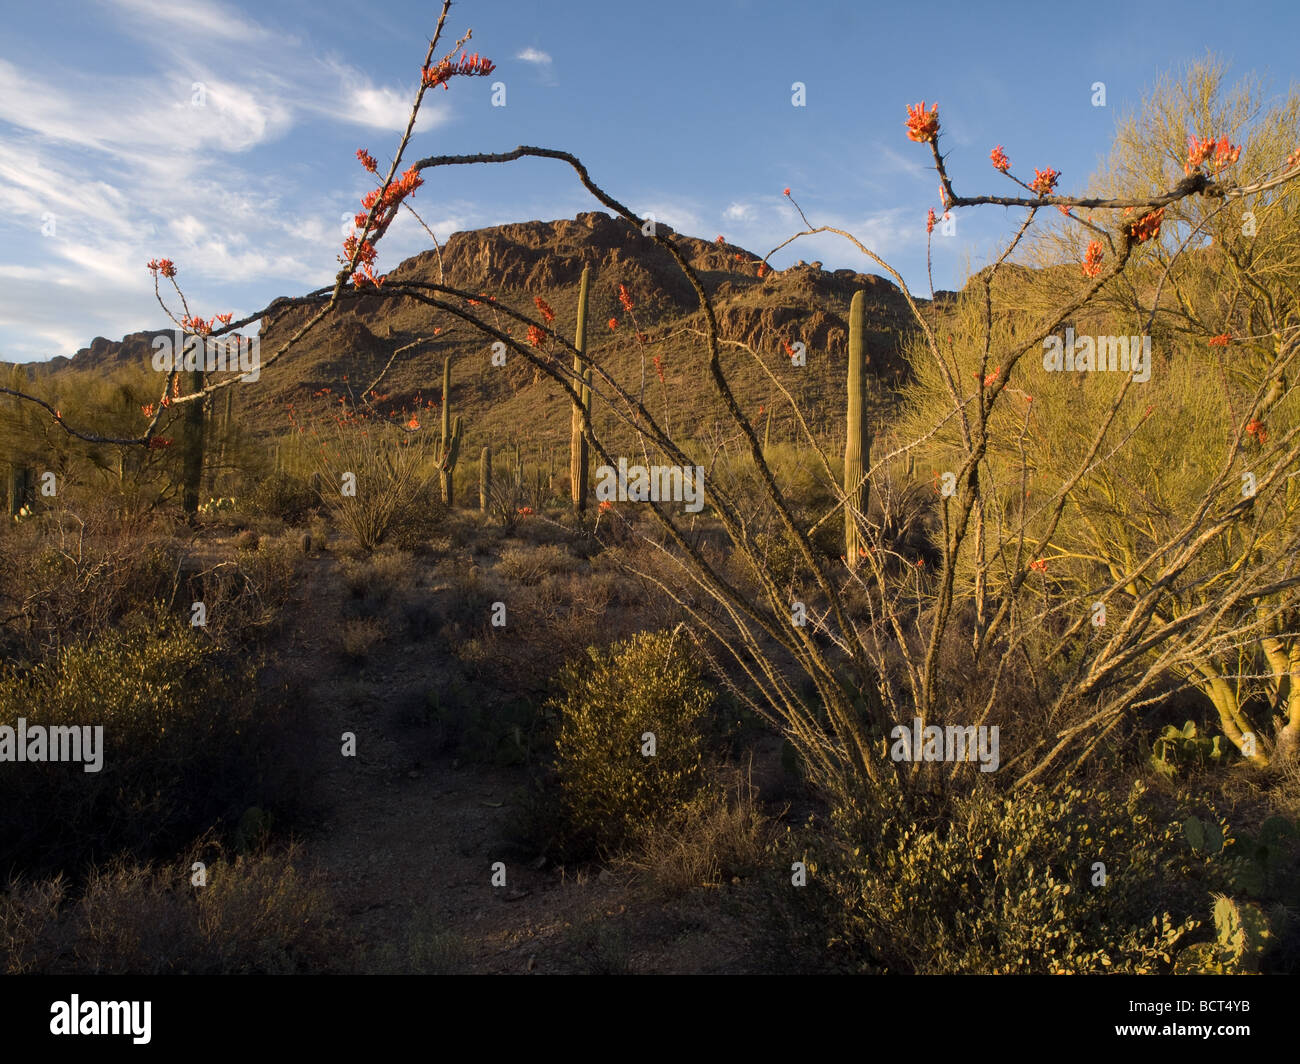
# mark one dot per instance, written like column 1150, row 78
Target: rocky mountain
column 508, row 266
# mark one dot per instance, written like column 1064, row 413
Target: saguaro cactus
column 857, row 447
column 581, row 410
column 21, row 480
column 484, row 479
column 192, row 457
column 449, row 446
column 223, row 436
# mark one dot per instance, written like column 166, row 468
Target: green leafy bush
column 990, row 884
column 286, row 497
column 182, row 742
column 612, row 792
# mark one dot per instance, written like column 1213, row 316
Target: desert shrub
column 380, row 574
column 988, row 884
column 420, row 518
column 713, row 842
column 264, row 913
column 182, row 743
column 259, row 913
column 29, row 911
column 282, row 496
column 530, row 565
column 612, row 793
column 360, row 636
column 802, row 479
column 390, row 472
column 78, row 580
column 245, row 595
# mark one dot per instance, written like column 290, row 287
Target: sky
column 222, row 135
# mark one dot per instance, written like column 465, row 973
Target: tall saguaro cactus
column 21, row 481
column 857, row 447
column 485, row 479
column 581, row 410
column 449, row 447
column 192, row 457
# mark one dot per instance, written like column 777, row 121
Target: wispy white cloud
column 200, row 19
column 677, row 215
column 169, row 160
column 356, row 99
column 533, row 55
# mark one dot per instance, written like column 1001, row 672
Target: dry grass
column 257, row 914
column 713, row 843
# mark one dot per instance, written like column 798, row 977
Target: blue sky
column 682, row 109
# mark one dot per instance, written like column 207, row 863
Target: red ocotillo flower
column 468, row 66
column 548, row 315
column 1219, row 153
column 922, row 125
column 1092, row 259
column 1222, row 340
column 535, row 336
column 367, row 160
column 1147, row 226
column 164, row 266
column 999, row 159
column 1044, row 181
column 624, row 298
column 929, row 221
column 613, row 324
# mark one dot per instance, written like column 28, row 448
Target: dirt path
column 408, row 838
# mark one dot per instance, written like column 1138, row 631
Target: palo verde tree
column 1141, row 464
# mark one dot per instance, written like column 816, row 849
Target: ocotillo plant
column 581, row 411
column 857, row 447
column 449, row 447
column 192, row 457
column 484, row 479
